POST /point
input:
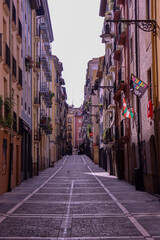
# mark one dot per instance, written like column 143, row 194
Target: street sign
column 91, row 134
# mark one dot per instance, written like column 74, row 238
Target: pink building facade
column 78, row 125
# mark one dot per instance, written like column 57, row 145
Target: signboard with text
column 137, row 86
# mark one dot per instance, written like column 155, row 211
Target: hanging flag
column 150, row 109
column 127, row 111
column 137, row 86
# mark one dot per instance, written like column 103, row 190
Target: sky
column 77, row 27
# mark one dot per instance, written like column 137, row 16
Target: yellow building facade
column 11, row 66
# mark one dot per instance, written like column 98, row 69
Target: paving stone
column 95, row 208
column 41, row 208
column 151, row 223
column 74, row 205
column 96, row 197
column 49, row 198
column 103, row 227
column 30, row 227
column 5, row 207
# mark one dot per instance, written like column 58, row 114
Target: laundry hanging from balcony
column 127, row 111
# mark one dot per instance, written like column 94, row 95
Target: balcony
column 121, row 87
column 46, row 46
column 19, row 34
column 47, row 73
column 45, row 37
column 43, row 59
column 43, row 28
column 36, row 99
column 120, row 2
column 14, row 69
column 117, row 53
column 7, row 61
column 6, row 7
column 44, row 88
column 117, row 12
column 19, row 84
column 14, row 17
column 45, row 123
column 48, row 99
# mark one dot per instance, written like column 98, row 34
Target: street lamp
column 144, row 25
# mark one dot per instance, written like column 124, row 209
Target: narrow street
column 78, row 200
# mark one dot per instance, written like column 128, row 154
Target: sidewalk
column 78, row 200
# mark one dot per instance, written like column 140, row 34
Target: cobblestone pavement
column 78, row 200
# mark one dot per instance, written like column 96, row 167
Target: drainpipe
column 155, row 87
column 10, row 96
column 139, row 174
column 128, row 88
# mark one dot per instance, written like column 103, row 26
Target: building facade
column 11, row 67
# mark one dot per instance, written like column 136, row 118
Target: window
column 69, row 128
column 69, row 135
column 0, row 44
column 149, row 77
column 69, row 120
column 131, row 49
column 148, row 10
column 4, row 157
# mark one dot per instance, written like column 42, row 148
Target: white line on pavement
column 66, row 220
column 124, row 210
column 83, row 160
column 65, row 160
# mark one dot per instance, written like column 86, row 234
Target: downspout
column 128, row 90
column 140, row 178
column 155, row 86
column 10, row 96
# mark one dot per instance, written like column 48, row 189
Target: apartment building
column 11, row 67
column 129, row 53
column 59, row 111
